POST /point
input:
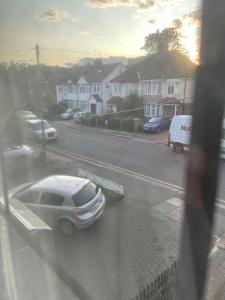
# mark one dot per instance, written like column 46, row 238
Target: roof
column 99, row 73
column 159, row 66
column 61, row 184
column 57, row 79
column 97, row 97
column 115, row 99
column 170, row 100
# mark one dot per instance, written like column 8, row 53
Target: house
column 91, row 91
column 164, row 81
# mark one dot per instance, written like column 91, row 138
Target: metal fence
column 162, row 287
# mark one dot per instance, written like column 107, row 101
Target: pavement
column 135, row 239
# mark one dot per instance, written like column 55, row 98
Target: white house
column 165, row 82
column 91, row 91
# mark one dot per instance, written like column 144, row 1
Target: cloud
column 76, row 20
column 191, row 18
column 194, row 17
column 85, row 32
column 152, row 21
column 140, row 4
column 52, row 15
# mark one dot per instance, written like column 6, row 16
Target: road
column 141, row 156
column 134, row 240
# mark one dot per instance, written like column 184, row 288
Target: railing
column 162, row 287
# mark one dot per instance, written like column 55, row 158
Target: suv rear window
column 85, row 195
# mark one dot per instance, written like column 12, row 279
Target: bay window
column 152, row 87
column 83, row 88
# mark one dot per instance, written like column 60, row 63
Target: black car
column 157, row 124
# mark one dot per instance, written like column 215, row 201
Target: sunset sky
column 68, row 30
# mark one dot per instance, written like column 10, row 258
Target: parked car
column 68, row 114
column 157, row 124
column 63, row 202
column 26, row 115
column 34, row 130
column 12, row 153
column 78, row 115
column 180, row 132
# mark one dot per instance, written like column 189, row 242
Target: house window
column 83, row 105
column 74, row 89
column 152, row 88
column 127, row 89
column 171, row 88
column 151, row 110
column 83, row 88
column 115, row 90
column 60, row 90
column 120, row 89
column 147, row 110
column 71, row 104
column 96, row 88
column 70, row 87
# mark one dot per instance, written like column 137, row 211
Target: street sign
column 108, row 184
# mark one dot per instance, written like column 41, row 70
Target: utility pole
column 40, row 96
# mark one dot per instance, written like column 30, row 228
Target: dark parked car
column 157, row 124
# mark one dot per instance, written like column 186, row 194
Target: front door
column 93, row 108
column 168, row 110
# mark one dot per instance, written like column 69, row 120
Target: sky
column 68, row 30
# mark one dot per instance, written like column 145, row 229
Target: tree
column 162, row 41
column 131, row 103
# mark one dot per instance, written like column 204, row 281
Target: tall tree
column 161, row 41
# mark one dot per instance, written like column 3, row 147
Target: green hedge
column 115, row 123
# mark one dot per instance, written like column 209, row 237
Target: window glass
column 51, row 199
column 83, row 88
column 70, row 88
column 170, row 88
column 85, row 195
column 28, row 196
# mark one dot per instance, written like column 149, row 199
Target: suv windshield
column 85, row 195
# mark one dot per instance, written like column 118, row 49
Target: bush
column 64, row 104
column 56, row 109
column 111, row 196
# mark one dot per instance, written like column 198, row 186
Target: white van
column 180, row 132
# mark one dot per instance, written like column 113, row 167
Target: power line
column 122, row 111
column 16, row 51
